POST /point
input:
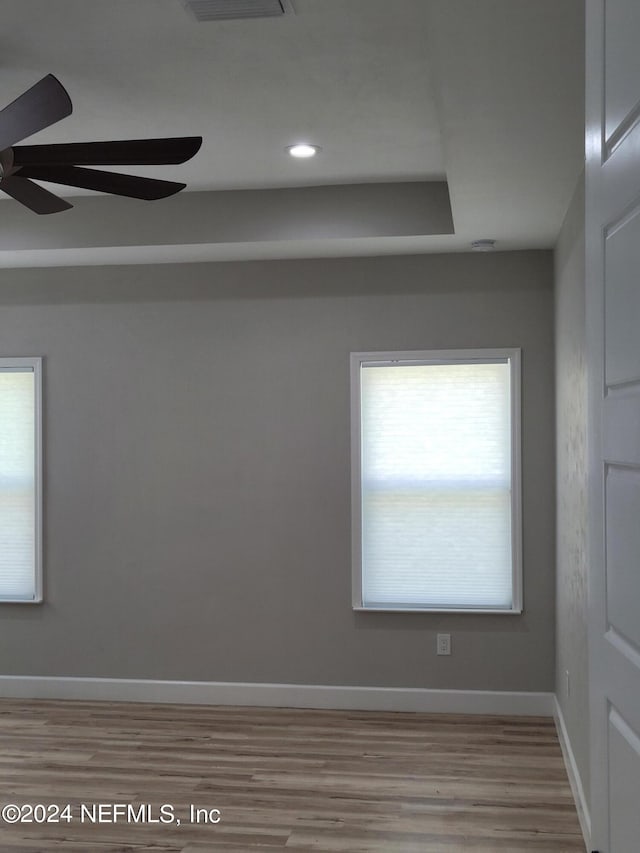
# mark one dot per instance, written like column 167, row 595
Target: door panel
column 622, row 301
column 622, row 427
column 622, row 66
column 622, row 550
column 624, row 755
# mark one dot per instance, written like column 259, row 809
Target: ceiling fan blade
column 132, row 186
column 35, row 197
column 40, row 106
column 140, row 152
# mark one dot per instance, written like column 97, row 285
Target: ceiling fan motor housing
column 6, row 162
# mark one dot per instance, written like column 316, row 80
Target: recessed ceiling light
column 303, row 150
column 483, row 245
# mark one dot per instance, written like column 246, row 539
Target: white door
column 613, row 344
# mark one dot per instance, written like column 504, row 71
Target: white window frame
column 418, row 357
column 35, row 364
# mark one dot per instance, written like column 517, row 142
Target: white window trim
column 34, row 364
column 435, row 357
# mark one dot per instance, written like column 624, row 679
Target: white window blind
column 436, row 511
column 20, row 475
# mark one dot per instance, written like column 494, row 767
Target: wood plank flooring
column 290, row 780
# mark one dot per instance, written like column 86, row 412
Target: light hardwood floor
column 285, row 779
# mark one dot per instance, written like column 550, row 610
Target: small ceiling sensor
column 303, row 150
column 483, row 245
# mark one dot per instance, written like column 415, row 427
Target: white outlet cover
column 443, row 644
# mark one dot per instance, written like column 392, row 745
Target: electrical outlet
column 443, row 644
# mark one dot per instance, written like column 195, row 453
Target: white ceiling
column 485, row 94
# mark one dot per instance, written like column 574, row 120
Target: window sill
column 437, row 610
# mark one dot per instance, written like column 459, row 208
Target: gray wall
column 571, row 422
column 197, row 468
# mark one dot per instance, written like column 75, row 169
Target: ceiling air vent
column 227, row 10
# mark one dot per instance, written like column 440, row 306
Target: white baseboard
column 280, row 695
column 573, row 773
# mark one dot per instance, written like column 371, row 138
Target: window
column 20, row 480
column 435, row 480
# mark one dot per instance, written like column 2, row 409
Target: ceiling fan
column 46, row 103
